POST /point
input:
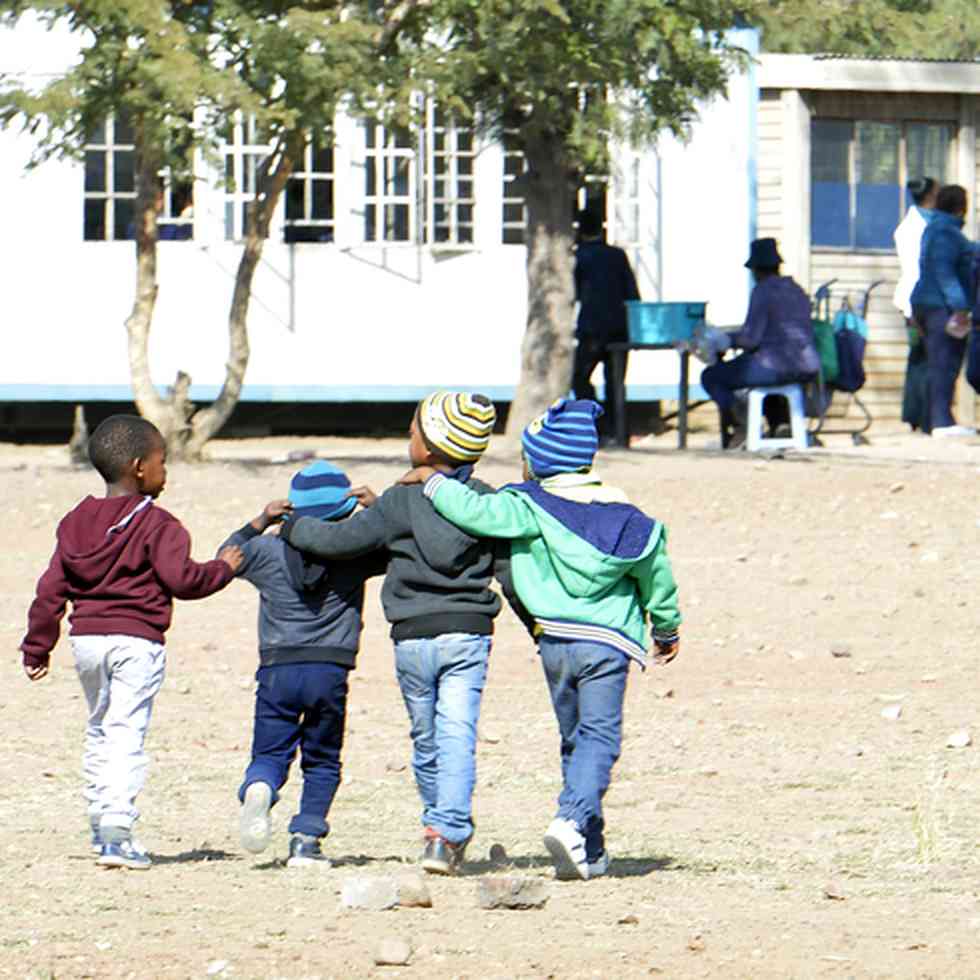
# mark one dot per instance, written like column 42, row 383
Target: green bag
column 823, row 333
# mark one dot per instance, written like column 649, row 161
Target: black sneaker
column 442, row 857
column 304, row 852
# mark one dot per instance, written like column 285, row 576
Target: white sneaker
column 567, row 849
column 952, row 431
column 253, row 822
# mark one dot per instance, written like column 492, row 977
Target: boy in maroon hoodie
column 121, row 561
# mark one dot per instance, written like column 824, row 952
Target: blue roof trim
column 302, row 393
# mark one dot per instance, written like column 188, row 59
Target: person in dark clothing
column 309, row 633
column 942, row 302
column 120, row 561
column 604, row 281
column 438, row 599
column 777, row 340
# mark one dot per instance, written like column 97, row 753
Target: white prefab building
column 395, row 264
column 838, row 139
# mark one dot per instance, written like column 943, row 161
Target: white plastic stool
column 794, row 396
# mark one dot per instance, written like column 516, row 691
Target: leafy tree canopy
column 872, row 28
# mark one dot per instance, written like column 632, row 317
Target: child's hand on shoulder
column 274, row 512
column 365, row 496
column 232, row 556
column 418, row 475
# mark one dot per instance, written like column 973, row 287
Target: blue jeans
column 945, row 358
column 723, row 379
column 441, row 680
column 587, row 682
column 300, row 705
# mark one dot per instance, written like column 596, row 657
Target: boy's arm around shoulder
column 358, row 535
column 170, row 555
column 44, row 618
column 484, row 515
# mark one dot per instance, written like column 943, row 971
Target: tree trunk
column 149, row 402
column 548, row 346
column 271, row 183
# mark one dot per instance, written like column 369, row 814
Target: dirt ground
column 766, row 818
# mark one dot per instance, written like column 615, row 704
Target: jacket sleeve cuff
column 665, row 637
column 433, row 483
column 37, row 659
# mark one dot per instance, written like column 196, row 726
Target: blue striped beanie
column 320, row 490
column 562, row 440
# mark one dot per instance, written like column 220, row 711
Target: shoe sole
column 297, row 862
column 434, row 867
column 565, row 868
column 254, row 826
column 121, row 862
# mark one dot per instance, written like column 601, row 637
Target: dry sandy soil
column 766, row 819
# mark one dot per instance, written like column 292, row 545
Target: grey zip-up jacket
column 309, row 609
column 438, row 578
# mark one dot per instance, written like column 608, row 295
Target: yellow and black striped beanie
column 457, row 424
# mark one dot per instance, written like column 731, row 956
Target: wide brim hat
column 763, row 254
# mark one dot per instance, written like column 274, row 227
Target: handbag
column 823, row 338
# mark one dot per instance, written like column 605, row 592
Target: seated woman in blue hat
column 777, row 343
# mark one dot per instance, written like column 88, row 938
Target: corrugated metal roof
column 830, row 56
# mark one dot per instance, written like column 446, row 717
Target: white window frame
column 108, row 147
column 385, row 154
column 245, row 153
column 514, row 165
column 306, row 177
column 450, row 213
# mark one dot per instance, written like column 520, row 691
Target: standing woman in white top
column 908, row 239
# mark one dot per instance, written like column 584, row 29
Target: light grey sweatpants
column 120, row 676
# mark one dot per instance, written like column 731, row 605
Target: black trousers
column 590, row 352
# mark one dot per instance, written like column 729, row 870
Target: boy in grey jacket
column 309, row 632
column 437, row 597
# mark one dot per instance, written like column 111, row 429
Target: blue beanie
column 320, row 490
column 564, row 439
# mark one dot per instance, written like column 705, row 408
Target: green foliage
column 581, row 72
column 872, row 28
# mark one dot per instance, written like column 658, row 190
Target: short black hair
column 119, row 440
column 951, row 199
column 920, row 188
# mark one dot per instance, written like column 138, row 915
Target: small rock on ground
column 393, row 951
column 511, row 893
column 413, row 892
column 374, row 894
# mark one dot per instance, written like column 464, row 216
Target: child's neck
column 123, row 488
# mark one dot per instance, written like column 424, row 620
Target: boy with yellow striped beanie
column 438, row 599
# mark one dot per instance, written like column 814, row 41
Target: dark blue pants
column 945, row 355
column 305, row 706
column 723, row 379
column 973, row 359
column 587, row 682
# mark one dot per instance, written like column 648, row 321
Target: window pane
column 396, row 223
column 124, row 171
column 123, row 227
column 878, row 198
column 877, row 153
column 323, row 159
column 830, row 143
column 369, row 220
column 123, row 129
column 94, row 170
column 928, row 151
column 94, row 230
column 322, row 200
column 294, row 200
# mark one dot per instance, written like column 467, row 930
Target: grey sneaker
column 567, row 849
column 253, row 821
column 96, row 837
column 124, row 854
column 440, row 856
column 304, row 852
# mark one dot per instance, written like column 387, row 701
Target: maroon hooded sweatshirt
column 120, row 561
